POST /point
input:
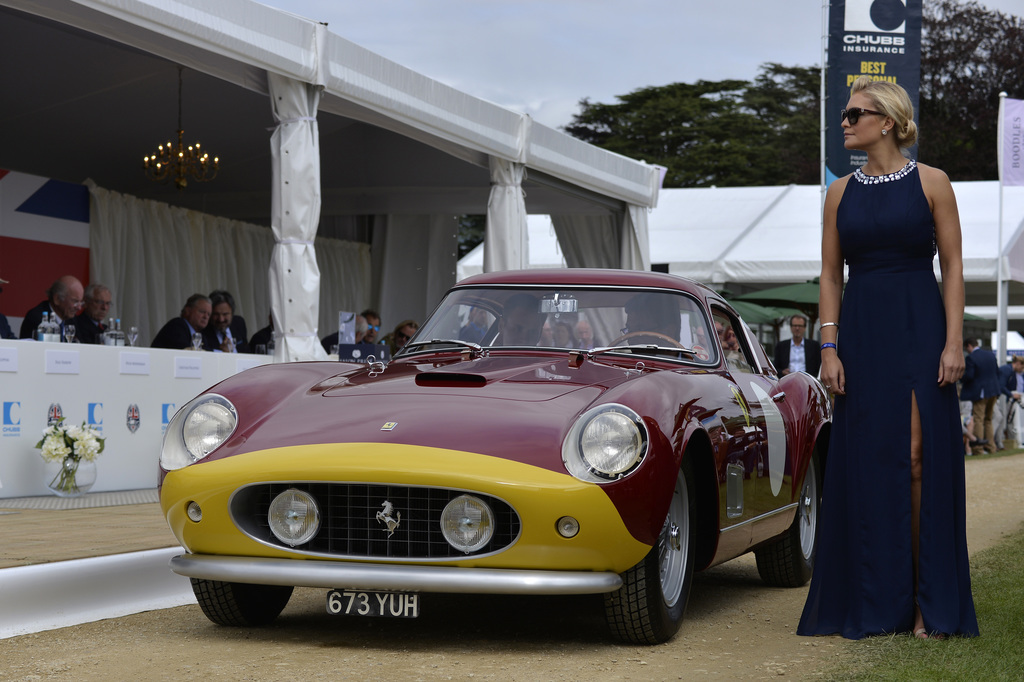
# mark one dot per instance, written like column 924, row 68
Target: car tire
column 788, row 562
column 649, row 607
column 240, row 604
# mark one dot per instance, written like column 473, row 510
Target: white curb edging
column 56, row 595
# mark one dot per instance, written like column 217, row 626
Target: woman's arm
column 831, row 283
column 939, row 192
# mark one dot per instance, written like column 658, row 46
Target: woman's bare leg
column 916, row 467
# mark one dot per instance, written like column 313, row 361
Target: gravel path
column 736, row 629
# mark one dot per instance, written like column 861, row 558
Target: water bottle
column 53, row 330
column 118, row 334
column 43, row 327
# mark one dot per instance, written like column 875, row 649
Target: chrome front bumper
column 331, row 574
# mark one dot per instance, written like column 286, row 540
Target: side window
column 730, row 337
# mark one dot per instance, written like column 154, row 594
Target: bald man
column 64, row 300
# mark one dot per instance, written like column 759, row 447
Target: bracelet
column 829, row 324
column 829, row 345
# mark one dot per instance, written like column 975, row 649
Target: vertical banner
column 1011, row 142
column 880, row 39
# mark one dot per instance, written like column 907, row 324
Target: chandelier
column 180, row 162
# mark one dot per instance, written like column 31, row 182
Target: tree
column 724, row 133
column 968, row 55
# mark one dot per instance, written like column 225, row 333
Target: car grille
column 349, row 525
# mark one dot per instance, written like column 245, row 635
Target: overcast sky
column 543, row 56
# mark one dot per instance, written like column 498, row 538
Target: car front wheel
column 240, row 604
column 649, row 607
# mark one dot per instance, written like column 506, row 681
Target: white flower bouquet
column 70, row 445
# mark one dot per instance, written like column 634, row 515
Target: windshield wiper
column 476, row 348
column 642, row 347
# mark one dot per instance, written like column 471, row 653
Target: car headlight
column 467, row 523
column 605, row 444
column 196, row 430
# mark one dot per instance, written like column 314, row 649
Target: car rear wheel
column 240, row 603
column 789, row 561
column 649, row 607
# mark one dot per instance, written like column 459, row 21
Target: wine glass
column 133, row 335
column 197, row 341
column 69, row 332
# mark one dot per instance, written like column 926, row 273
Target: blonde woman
column 892, row 553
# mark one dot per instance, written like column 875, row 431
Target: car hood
column 512, row 407
column 497, row 378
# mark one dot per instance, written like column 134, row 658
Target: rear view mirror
column 558, row 305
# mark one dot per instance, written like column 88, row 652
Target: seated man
column 177, row 333
column 237, row 326
column 64, row 299
column 362, row 327
column 520, row 323
column 89, row 325
column 654, row 313
column 220, row 334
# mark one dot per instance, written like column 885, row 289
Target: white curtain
column 415, row 257
column 605, row 241
column 505, row 245
column 154, row 256
column 294, row 218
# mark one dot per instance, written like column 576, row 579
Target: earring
column 885, row 132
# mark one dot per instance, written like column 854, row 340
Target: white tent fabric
column 542, row 246
column 505, row 246
column 132, row 241
column 295, row 212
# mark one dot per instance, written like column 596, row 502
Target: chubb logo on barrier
column 12, row 419
column 166, row 412
column 95, row 416
column 876, row 16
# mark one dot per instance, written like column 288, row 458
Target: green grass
column 997, row 577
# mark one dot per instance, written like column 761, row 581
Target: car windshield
column 638, row 321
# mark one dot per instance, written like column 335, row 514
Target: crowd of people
column 206, row 322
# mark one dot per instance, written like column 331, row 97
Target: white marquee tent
column 746, row 238
column 318, row 137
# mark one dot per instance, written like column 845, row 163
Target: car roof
column 590, row 277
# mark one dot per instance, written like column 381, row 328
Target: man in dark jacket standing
column 798, row 354
column 981, row 387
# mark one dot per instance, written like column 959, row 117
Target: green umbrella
column 753, row 313
column 803, row 297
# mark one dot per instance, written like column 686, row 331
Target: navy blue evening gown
column 891, row 335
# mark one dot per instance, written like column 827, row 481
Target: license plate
column 383, row 604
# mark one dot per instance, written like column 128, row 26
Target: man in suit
column 64, row 299
column 980, row 386
column 798, row 354
column 1011, row 387
column 220, row 334
column 177, row 333
column 89, row 326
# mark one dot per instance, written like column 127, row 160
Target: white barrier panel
column 63, row 593
column 127, row 394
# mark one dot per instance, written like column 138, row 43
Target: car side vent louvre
column 450, row 379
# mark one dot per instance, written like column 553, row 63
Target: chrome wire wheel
column 808, row 511
column 674, row 544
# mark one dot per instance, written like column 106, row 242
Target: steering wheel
column 658, row 335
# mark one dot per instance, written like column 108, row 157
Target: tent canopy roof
column 97, row 85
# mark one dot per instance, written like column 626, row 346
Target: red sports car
column 545, row 432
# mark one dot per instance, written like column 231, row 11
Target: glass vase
column 70, row 477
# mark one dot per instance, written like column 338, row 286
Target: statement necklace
column 891, row 177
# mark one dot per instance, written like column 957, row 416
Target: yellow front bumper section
column 540, row 497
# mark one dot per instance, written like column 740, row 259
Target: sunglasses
column 854, row 114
